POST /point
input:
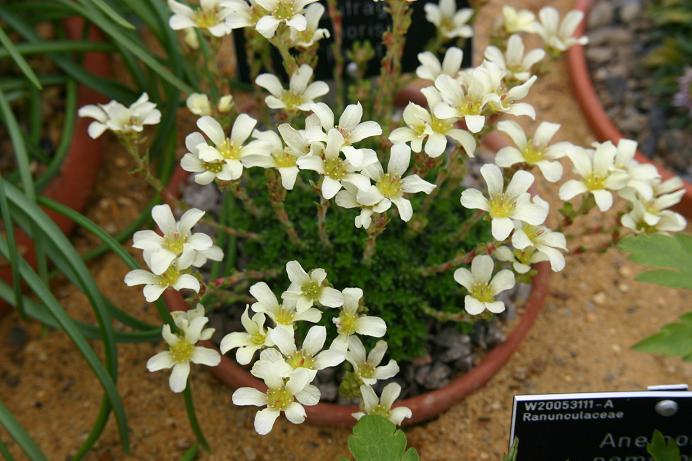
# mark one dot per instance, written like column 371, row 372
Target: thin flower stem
column 192, row 418
column 241, row 194
column 322, row 208
column 241, row 276
column 281, row 42
column 337, row 33
column 466, row 227
column 458, row 260
column 277, row 196
column 378, row 225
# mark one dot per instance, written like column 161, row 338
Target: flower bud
column 191, row 39
column 198, row 104
column 225, row 104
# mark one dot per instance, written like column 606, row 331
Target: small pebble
column 600, row 298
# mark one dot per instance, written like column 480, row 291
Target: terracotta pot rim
column 601, row 124
column 424, row 406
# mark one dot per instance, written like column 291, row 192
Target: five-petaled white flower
column 534, row 150
column 372, row 405
column 534, row 244
column 311, row 354
column 306, row 290
column 514, row 21
column 598, row 175
column 285, row 314
column 273, row 154
column 482, row 287
column 182, row 348
column 210, row 16
column 367, row 367
column 559, row 36
column 348, row 198
column 654, row 215
column 449, row 21
column 504, row 205
column 178, row 240
column 421, row 124
column 313, row 33
column 642, row 176
column 282, row 395
column 121, row 120
column 300, row 95
column 391, row 186
column 350, row 321
column 289, row 12
column 174, row 277
column 431, row 68
column 517, row 66
column 335, row 170
column 254, row 338
column 352, row 129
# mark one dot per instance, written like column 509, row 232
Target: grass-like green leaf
column 19, row 434
column 57, row 46
column 674, row 339
column 672, row 255
column 375, row 438
column 110, row 13
column 662, row 450
column 18, row 58
column 513, row 451
column 14, row 260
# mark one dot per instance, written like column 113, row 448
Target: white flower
column 421, row 124
column 391, row 186
column 310, row 289
column 119, row 119
column 665, row 222
column 254, row 338
column 503, row 205
column 517, row 21
column 533, row 151
column 272, row 153
column 449, row 21
column 372, row 405
column 225, row 103
column 182, row 350
column 300, row 94
column 513, row 61
column 154, row 285
column 431, row 68
column 213, row 253
column 223, row 160
column 646, row 215
column 558, row 36
column 198, row 104
column 243, row 14
column 642, row 176
column 177, row 241
column 348, row 198
column 312, row 33
column 211, row 16
column 351, row 322
column 598, row 175
column 281, row 396
column 534, row 244
column 310, row 355
column 352, row 129
column 482, row 290
column 367, row 367
column 289, row 12
column 334, row 169
column 284, row 315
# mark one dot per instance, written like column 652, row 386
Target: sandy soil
column 581, row 342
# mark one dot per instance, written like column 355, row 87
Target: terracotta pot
column 73, row 184
column 602, row 126
column 425, row 406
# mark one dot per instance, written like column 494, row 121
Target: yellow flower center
column 258, row 338
column 440, row 126
column 169, row 277
column 182, row 351
column 284, row 10
column 291, row 99
column 501, row 206
column 301, row 360
column 284, row 316
column 214, row 167
column 335, row 168
column 470, row 106
column 531, row 154
column 230, row 151
column 379, row 410
column 366, row 370
column 174, row 243
column 446, row 25
column 205, row 19
column 347, row 323
column 285, row 159
column 390, row 185
column 532, row 232
column 482, row 292
column 311, row 290
column 279, row 399
column 524, row 256
column 594, row 182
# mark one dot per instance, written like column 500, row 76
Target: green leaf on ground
column 674, row 339
column 375, row 438
column 663, row 450
column 671, row 255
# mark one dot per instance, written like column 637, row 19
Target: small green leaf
column 672, row 255
column 375, row 438
column 674, row 339
column 662, row 450
column 513, row 451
